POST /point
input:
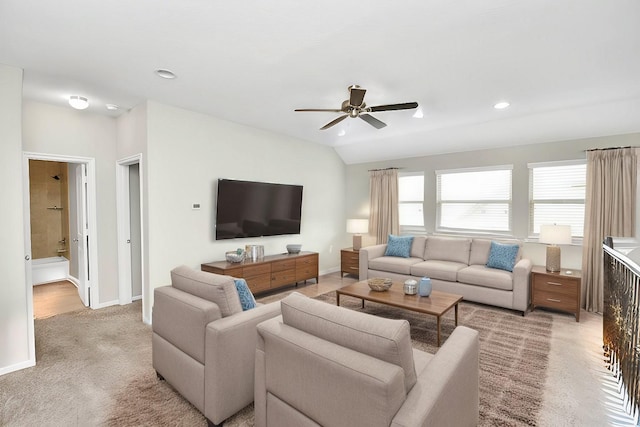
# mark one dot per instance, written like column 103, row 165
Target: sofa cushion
column 216, row 288
column 393, row 264
column 399, row 246
column 434, row 269
column 486, row 277
column 417, row 247
column 502, row 256
column 448, row 249
column 384, row 339
column 480, row 250
column 247, row 301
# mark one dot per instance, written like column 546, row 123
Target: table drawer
column 256, row 270
column 285, row 277
column 259, row 283
column 555, row 285
column 555, row 300
column 288, row 264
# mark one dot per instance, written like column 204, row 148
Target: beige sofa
column 323, row 365
column 455, row 265
column 204, row 344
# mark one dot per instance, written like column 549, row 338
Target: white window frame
column 472, row 231
column 532, row 202
column 412, row 229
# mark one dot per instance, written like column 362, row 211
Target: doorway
column 130, row 231
column 81, row 244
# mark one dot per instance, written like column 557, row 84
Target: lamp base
column 553, row 258
column 357, row 242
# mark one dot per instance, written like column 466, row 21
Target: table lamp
column 357, row 227
column 554, row 235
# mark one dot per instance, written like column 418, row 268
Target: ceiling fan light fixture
column 165, row 74
column 501, row 105
column 78, row 102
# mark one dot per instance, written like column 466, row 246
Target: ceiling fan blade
column 372, row 121
column 357, row 96
column 330, row 110
column 334, row 122
column 389, row 107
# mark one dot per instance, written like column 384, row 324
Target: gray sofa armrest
column 521, row 288
column 181, row 319
column 370, row 252
column 447, row 391
column 229, row 367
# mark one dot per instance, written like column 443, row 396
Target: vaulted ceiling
column 569, row 68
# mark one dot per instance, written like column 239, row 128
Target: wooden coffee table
column 436, row 304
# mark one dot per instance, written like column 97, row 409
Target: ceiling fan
column 355, row 107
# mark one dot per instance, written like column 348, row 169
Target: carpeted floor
column 94, row 368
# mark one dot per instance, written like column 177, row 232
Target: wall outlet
column 195, row 206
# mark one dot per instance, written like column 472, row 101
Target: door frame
column 92, row 221
column 124, row 229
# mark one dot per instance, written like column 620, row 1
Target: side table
column 560, row 291
column 350, row 261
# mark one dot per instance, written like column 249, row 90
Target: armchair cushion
column 385, row 339
column 216, row 288
column 246, row 297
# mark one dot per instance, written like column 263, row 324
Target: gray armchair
column 320, row 364
column 204, row 344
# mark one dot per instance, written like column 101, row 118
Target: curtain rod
column 382, row 169
column 608, row 148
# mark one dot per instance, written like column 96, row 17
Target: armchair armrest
column 370, row 252
column 521, row 288
column 446, row 393
column 181, row 318
column 229, row 366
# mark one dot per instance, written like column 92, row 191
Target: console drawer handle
column 555, row 283
column 553, row 300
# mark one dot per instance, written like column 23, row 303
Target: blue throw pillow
column 399, row 246
column 502, row 256
column 246, row 297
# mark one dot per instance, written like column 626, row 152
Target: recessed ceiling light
column 501, row 105
column 418, row 114
column 78, row 102
column 112, row 107
column 165, row 74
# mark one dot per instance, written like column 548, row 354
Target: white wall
column 51, row 129
column 518, row 156
column 14, row 317
column 188, row 152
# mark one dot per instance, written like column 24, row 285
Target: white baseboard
column 18, row 366
column 107, row 304
column 139, row 297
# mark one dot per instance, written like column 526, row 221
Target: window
column 556, row 195
column 411, row 199
column 474, row 199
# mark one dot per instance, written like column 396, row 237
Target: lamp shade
column 357, row 226
column 555, row 234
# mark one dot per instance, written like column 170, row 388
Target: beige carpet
column 94, row 368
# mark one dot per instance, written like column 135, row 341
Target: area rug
column 94, row 368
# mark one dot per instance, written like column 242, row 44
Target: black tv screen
column 255, row 209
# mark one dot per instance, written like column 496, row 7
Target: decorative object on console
column 379, row 284
column 399, row 246
column 357, row 227
column 294, row 249
column 554, row 235
column 502, row 256
column 410, row 287
column 235, row 256
column 254, row 252
column 424, row 289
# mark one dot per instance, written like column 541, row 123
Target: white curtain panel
column 383, row 204
column 610, row 203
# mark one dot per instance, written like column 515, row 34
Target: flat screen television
column 255, row 209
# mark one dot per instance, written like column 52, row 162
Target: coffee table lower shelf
column 436, row 304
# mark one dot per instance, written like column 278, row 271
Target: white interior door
column 80, row 239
